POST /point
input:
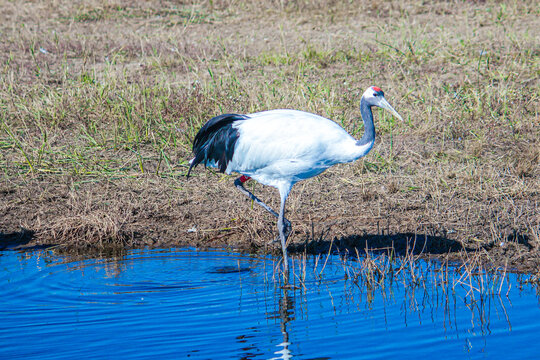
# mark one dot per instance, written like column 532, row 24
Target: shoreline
column 149, row 212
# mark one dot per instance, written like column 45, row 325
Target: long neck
column 369, row 127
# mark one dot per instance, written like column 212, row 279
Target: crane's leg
column 239, row 183
column 282, row 227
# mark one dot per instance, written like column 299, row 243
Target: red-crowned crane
column 282, row 147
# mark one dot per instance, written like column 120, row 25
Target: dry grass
column 99, row 102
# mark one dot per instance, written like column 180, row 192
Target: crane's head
column 374, row 96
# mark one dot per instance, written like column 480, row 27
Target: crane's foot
column 287, row 228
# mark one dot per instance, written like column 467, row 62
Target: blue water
column 182, row 303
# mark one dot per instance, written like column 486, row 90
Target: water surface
column 182, row 303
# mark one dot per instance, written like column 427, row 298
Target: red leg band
column 244, row 178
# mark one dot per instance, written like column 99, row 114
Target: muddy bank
column 77, row 215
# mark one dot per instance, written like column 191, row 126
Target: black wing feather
column 216, row 141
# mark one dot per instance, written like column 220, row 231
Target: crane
column 282, row 147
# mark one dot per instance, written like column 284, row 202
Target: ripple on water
column 215, row 304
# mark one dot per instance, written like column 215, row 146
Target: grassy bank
column 99, row 103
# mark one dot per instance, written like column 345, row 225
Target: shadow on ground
column 15, row 239
column 401, row 243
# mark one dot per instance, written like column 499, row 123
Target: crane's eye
column 376, row 94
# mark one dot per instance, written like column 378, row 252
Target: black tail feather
column 189, row 171
column 216, row 141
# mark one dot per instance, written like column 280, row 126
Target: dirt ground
column 96, row 125
column 208, row 211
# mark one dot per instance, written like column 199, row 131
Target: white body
column 281, row 147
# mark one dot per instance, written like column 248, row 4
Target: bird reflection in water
column 285, row 314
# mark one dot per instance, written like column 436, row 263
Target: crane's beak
column 385, row 105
